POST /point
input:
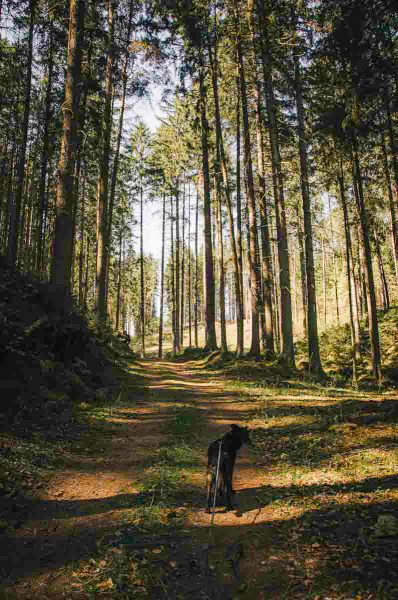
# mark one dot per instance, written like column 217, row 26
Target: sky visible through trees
column 252, row 145
column 198, row 228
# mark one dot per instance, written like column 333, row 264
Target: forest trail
column 123, row 514
column 89, row 496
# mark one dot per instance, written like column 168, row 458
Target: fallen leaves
column 105, row 585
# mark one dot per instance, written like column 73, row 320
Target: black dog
column 230, row 444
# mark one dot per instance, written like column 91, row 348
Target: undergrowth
column 335, row 349
column 24, row 467
column 327, row 460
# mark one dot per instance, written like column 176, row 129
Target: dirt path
column 89, row 497
column 123, row 516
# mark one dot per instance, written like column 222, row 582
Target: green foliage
column 336, row 352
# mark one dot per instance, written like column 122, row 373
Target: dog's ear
column 235, row 427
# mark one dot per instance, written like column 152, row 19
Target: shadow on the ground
column 333, row 544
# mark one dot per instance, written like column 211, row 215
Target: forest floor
column 122, row 515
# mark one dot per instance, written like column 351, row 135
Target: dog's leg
column 221, row 484
column 232, row 475
column 210, row 480
column 228, row 486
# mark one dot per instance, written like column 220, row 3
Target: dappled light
column 311, row 493
column 198, row 300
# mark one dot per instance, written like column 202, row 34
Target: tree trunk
column 3, row 191
column 240, row 305
column 371, row 297
column 360, row 278
column 394, row 151
column 354, row 331
column 314, row 357
column 267, row 332
column 119, row 280
column 182, row 307
column 26, row 238
column 255, row 280
column 222, row 168
column 177, row 273
column 9, row 196
column 173, row 293
column 82, row 236
column 16, row 213
column 45, row 155
column 303, row 274
column 286, row 319
column 325, row 308
column 335, row 276
column 210, row 312
column 356, row 286
column 115, row 170
column 383, row 279
column 196, row 304
column 142, row 278
column 63, row 237
column 86, row 273
column 160, row 350
column 275, row 278
column 392, row 207
column 189, row 269
column 268, row 329
column 103, row 179
column 224, row 347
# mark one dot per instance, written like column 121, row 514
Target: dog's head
column 242, row 433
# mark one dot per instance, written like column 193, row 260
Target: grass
column 24, row 467
column 328, row 459
column 319, row 506
column 140, row 560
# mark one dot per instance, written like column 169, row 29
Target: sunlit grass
column 321, row 464
column 159, row 505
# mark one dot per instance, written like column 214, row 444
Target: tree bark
column 182, row 303
column 392, row 207
column 177, row 273
column 115, row 170
column 196, row 304
column 9, row 196
column 355, row 341
column 210, row 312
column 119, row 281
column 82, row 236
column 189, row 269
column 325, row 308
column 303, row 273
column 86, row 273
column 63, row 236
column 16, row 212
column 142, row 278
column 224, row 347
column 173, row 294
column 255, row 280
column 383, row 279
column 371, row 297
column 268, row 329
column 394, row 151
column 103, row 178
column 286, row 320
column 160, row 348
column 314, row 357
column 240, row 305
column 223, row 167
column 45, row 153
